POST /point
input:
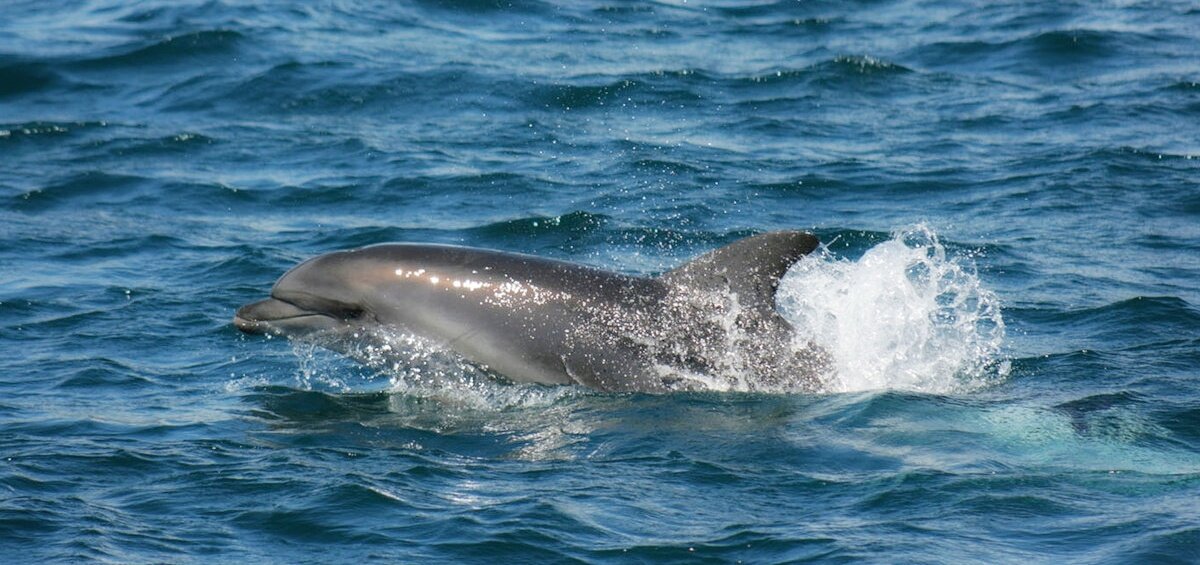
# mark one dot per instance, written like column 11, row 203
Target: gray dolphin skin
column 708, row 323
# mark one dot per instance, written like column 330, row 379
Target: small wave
column 773, row 26
column 1173, row 543
column 769, row 9
column 469, row 186
column 1049, row 53
column 489, row 6
column 44, row 130
column 564, row 226
column 187, row 47
column 568, row 96
column 843, row 69
column 623, row 9
column 139, row 16
column 93, row 186
column 672, row 86
column 1135, row 311
column 338, row 88
column 168, row 145
column 21, row 78
column 811, row 184
column 1135, row 321
column 282, row 197
column 1072, row 44
column 906, row 315
column 241, row 263
column 666, row 166
column 987, row 123
column 184, row 143
column 351, row 237
column 1127, row 153
column 1188, row 86
column 1182, row 420
column 122, row 247
column 865, row 64
column 778, row 76
column 1190, row 204
column 93, row 378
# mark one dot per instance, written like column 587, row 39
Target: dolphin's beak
column 279, row 317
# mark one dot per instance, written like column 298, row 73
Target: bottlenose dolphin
column 710, row 323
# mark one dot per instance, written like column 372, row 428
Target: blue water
column 163, row 162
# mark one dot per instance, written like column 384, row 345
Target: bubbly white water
column 905, row 316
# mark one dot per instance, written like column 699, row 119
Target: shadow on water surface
column 522, row 421
column 838, row 438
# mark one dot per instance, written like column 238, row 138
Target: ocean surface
column 1008, row 195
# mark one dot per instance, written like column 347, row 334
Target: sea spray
column 906, row 315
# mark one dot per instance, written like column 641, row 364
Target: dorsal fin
column 750, row 267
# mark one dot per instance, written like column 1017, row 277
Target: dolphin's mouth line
column 304, row 312
column 266, row 327
column 283, row 319
column 273, row 314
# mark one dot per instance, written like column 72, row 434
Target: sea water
column 1008, row 196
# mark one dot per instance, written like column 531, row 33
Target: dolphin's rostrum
column 710, row 323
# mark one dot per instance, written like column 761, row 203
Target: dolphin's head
column 319, row 297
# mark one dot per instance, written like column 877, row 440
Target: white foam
column 904, row 316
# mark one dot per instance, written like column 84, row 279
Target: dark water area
column 1009, row 195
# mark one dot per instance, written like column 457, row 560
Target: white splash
column 904, row 316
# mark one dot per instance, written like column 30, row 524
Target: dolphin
column 710, row 323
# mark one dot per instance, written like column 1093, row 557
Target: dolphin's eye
column 348, row 312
